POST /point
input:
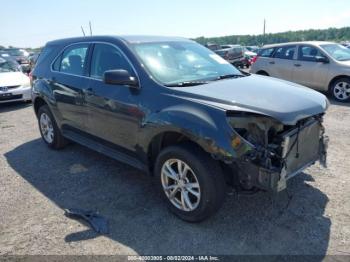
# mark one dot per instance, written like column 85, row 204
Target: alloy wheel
column 46, row 128
column 180, row 185
column 342, row 91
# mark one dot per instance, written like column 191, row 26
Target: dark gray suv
column 178, row 111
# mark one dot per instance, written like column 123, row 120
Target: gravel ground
column 37, row 184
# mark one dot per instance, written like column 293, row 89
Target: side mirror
column 120, row 77
column 322, row 59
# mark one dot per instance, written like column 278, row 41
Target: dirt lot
column 36, row 184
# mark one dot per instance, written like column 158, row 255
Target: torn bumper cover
column 292, row 151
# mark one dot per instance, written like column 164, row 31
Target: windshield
column 17, row 52
column 178, row 62
column 338, row 52
column 7, row 66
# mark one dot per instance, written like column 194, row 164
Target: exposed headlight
column 254, row 128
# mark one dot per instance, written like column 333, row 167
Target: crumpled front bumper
column 302, row 147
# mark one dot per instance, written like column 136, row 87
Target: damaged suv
column 178, row 111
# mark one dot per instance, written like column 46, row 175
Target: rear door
column 309, row 72
column 282, row 65
column 68, row 83
column 264, row 60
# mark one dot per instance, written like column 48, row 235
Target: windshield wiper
column 229, row 76
column 188, row 83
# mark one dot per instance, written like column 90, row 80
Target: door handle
column 297, row 65
column 272, row 62
column 89, row 91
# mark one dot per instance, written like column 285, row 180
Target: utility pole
column 82, row 29
column 90, row 28
column 264, row 31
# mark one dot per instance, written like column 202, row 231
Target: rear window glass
column 72, row 60
column 285, row 52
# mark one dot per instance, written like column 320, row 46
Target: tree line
column 331, row 34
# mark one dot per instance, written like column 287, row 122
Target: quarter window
column 285, row 52
column 266, row 52
column 73, row 60
column 106, row 57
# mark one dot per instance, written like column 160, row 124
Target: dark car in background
column 234, row 54
column 254, row 48
column 178, row 111
column 20, row 55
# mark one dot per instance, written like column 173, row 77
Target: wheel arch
column 37, row 103
column 334, row 79
column 262, row 72
column 205, row 129
column 166, row 139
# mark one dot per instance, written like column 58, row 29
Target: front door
column 307, row 70
column 114, row 113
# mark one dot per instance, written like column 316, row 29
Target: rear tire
column 49, row 130
column 203, row 186
column 340, row 89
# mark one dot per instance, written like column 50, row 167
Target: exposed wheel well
column 335, row 79
column 162, row 141
column 166, row 139
column 262, row 72
column 38, row 103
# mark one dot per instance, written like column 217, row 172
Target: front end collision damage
column 275, row 152
column 257, row 150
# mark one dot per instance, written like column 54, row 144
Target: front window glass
column 309, row 53
column 176, row 62
column 106, row 57
column 338, row 52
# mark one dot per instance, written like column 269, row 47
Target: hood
column 284, row 101
column 345, row 63
column 13, row 79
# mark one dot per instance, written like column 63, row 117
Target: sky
column 32, row 23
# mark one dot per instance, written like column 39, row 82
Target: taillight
column 254, row 59
column 30, row 75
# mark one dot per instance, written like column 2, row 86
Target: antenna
column 82, row 29
column 90, row 28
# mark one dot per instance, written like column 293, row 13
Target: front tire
column 340, row 90
column 49, row 130
column 190, row 181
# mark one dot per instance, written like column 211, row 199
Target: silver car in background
column 323, row 66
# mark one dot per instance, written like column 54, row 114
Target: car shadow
column 334, row 102
column 292, row 222
column 12, row 106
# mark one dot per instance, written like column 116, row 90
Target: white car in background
column 14, row 85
